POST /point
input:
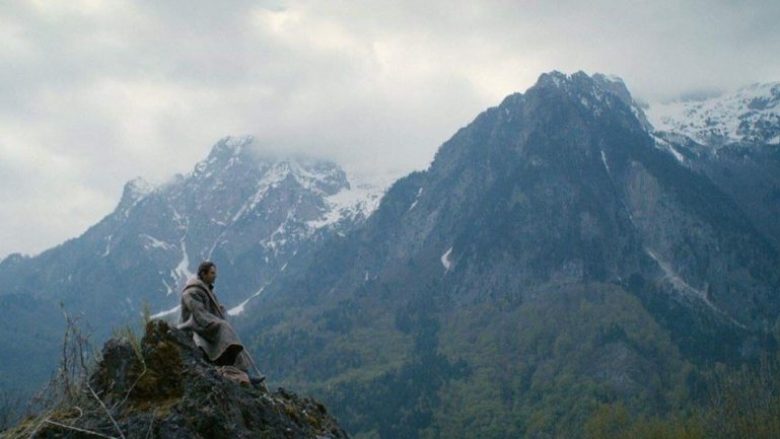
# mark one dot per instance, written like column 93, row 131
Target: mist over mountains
column 251, row 213
column 567, row 248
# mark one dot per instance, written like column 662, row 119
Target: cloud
column 95, row 93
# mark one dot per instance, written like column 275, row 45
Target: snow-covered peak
column 235, row 156
column 225, row 153
column 750, row 114
column 320, row 176
column 357, row 201
column 353, row 203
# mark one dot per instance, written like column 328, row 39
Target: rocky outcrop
column 161, row 387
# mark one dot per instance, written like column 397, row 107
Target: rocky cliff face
column 551, row 241
column 162, row 387
column 564, row 184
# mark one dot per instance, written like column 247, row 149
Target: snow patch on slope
column 151, row 242
column 604, row 160
column 273, row 176
column 237, row 310
column 445, row 259
column 107, row 251
column 669, row 147
column 182, row 271
column 416, row 199
column 357, row 201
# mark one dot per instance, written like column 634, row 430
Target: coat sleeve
column 205, row 322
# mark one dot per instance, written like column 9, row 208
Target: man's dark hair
column 204, row 268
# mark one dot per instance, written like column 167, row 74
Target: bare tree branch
column 94, row 433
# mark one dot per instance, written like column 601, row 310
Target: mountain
column 569, row 248
column 249, row 212
column 750, row 115
column 734, row 139
column 555, row 256
column 160, row 386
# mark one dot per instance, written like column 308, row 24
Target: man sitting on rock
column 202, row 314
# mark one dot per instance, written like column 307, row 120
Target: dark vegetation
column 566, row 361
column 531, row 383
column 739, row 402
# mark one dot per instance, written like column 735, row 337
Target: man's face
column 211, row 276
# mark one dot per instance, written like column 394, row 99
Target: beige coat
column 202, row 314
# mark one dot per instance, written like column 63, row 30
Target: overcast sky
column 94, row 93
